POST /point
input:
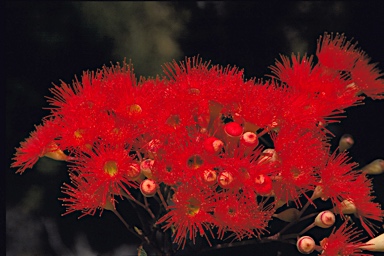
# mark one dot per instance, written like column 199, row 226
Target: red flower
column 84, row 197
column 344, row 241
column 106, row 170
column 368, row 78
column 361, row 197
column 338, row 178
column 40, row 143
column 336, row 53
column 190, row 213
column 300, row 152
column 241, row 214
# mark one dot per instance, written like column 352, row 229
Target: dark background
column 46, row 42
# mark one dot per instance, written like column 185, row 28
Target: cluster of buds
column 218, row 152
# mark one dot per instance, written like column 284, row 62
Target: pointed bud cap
column 249, row 139
column 374, row 168
column 325, row 219
column 54, row 152
column 305, row 244
column 209, row 177
column 348, row 207
column 268, row 155
column 233, row 129
column 346, row 142
column 263, row 184
column 225, row 179
column 146, row 168
column 213, row 145
column 148, row 187
column 375, row 244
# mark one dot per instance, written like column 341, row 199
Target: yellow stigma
column 135, row 109
column 193, row 207
column 110, row 167
column 78, row 133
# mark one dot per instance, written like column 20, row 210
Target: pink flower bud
column 325, row 219
column 148, row 187
column 347, row 207
column 268, row 155
column 209, row 177
column 375, row 244
column 305, row 244
column 263, row 184
column 213, row 145
column 346, row 142
column 374, row 168
column 225, row 179
column 249, row 139
column 233, row 129
column 146, row 168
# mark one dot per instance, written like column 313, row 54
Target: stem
column 162, row 199
column 297, row 220
column 127, row 226
column 131, row 198
column 247, row 242
column 307, row 228
column 141, row 237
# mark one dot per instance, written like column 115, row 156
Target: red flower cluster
column 201, row 128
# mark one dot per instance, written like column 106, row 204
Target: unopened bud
column 146, row 168
column 375, row 244
column 213, row 145
column 148, row 187
column 233, row 129
column 268, row 155
column 305, row 244
column 54, row 152
column 225, row 179
column 325, row 219
column 249, row 139
column 209, row 177
column 374, row 168
column 347, row 207
column 263, row 184
column 346, row 142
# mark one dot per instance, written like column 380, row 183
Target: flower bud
column 375, row 244
column 249, row 139
column 325, row 219
column 305, row 244
column 146, row 168
column 346, row 142
column 317, row 192
column 225, row 179
column 233, row 129
column 148, row 187
column 268, row 155
column 209, row 177
column 348, row 207
column 374, row 168
column 213, row 145
column 54, row 152
column 263, row 184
